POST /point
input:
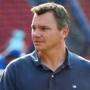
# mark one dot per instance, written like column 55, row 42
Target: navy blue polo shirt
column 27, row 73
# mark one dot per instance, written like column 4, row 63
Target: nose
column 36, row 33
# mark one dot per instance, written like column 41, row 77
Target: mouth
column 38, row 42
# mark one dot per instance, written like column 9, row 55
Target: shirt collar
column 71, row 59
column 35, row 57
column 68, row 61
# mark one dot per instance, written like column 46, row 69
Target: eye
column 44, row 28
column 33, row 28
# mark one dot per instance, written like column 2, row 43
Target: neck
column 53, row 58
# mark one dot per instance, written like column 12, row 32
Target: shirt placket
column 52, row 82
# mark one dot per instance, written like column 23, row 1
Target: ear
column 65, row 31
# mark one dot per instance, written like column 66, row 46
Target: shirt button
column 52, row 76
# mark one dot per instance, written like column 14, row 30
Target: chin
column 40, row 48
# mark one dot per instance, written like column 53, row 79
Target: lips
column 38, row 42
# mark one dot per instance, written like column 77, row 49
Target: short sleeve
column 7, row 81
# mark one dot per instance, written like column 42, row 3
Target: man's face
column 45, row 33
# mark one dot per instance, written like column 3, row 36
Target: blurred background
column 15, row 21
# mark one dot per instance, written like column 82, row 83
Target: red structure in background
column 14, row 14
column 86, row 8
column 85, row 4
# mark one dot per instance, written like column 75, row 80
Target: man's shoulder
column 78, row 60
column 25, row 59
column 78, row 57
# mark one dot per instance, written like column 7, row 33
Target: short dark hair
column 60, row 13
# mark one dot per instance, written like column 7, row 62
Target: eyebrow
column 40, row 26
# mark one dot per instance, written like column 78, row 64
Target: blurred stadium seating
column 16, row 14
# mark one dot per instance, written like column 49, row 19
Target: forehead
column 46, row 18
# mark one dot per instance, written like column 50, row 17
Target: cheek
column 32, row 37
column 31, row 34
column 53, row 38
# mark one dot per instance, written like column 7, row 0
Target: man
column 51, row 66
